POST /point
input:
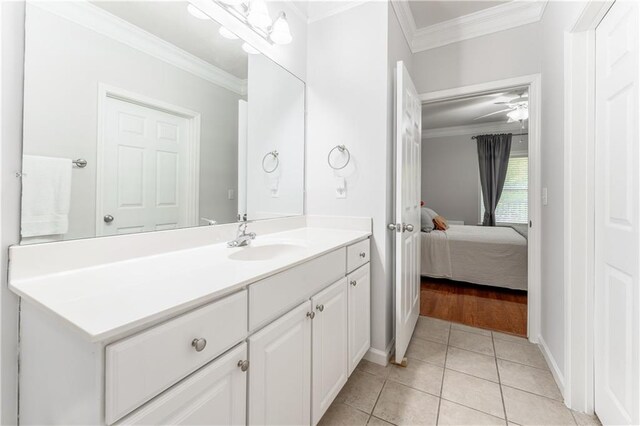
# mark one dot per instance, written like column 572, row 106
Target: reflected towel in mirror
column 46, row 195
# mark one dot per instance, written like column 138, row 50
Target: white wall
column 275, row 122
column 347, row 100
column 450, row 176
column 11, row 78
column 496, row 56
column 558, row 18
column 64, row 62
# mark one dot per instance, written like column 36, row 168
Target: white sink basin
column 265, row 250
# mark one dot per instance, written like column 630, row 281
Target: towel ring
column 342, row 149
column 274, row 154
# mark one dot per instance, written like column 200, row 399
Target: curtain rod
column 513, row 134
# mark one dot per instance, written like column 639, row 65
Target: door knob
column 353, row 283
column 311, row 315
column 320, row 307
column 108, row 218
column 408, row 227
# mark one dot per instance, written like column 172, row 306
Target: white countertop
column 115, row 298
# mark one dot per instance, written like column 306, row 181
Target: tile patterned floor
column 456, row 375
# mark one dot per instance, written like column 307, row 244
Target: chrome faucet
column 242, row 238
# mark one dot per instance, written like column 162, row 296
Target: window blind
column 513, row 205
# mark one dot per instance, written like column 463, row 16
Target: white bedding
column 488, row 255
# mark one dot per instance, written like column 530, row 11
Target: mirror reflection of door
column 144, row 186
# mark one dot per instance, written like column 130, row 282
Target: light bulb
column 224, row 32
column 519, row 114
column 258, row 15
column 249, row 49
column 280, row 33
column 197, row 13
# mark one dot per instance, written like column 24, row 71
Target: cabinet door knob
column 243, row 364
column 320, row 307
column 199, row 344
column 363, row 255
column 408, row 227
column 353, row 283
column 311, row 315
column 108, row 218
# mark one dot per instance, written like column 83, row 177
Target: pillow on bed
column 440, row 223
column 426, row 219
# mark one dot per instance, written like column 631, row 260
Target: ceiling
column 463, row 112
column 170, row 21
column 426, row 13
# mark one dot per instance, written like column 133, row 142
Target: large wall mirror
column 140, row 116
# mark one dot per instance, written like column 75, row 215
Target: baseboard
column 551, row 362
column 380, row 357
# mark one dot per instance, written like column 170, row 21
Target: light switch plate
column 341, row 187
column 545, row 199
column 231, row 194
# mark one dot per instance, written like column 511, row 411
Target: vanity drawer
column 357, row 255
column 143, row 365
column 277, row 294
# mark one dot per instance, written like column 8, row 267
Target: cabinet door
column 214, row 395
column 359, row 315
column 280, row 373
column 330, row 346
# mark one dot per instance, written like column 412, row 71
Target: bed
column 487, row 255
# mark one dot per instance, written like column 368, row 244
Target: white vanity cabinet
column 215, row 395
column 329, row 346
column 277, row 350
column 280, row 372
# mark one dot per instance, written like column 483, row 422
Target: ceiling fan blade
column 493, row 113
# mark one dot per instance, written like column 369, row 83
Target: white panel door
column 359, row 314
column 215, row 395
column 617, row 245
column 144, row 169
column 408, row 121
column 280, row 373
column 330, row 346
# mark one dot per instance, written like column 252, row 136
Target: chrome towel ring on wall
column 342, row 149
column 273, row 154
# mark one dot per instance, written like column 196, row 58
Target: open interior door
column 617, row 217
column 408, row 125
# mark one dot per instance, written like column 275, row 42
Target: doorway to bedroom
column 476, row 211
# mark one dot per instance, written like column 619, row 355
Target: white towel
column 46, row 195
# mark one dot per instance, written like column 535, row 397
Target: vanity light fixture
column 255, row 15
column 224, row 32
column 280, row 33
column 258, row 15
column 249, row 49
column 197, row 13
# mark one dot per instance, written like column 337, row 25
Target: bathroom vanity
column 263, row 334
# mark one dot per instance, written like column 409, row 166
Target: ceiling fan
column 517, row 108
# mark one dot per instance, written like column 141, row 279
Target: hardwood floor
column 492, row 308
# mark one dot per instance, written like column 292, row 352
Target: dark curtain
column 493, row 158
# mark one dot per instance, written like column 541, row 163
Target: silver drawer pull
column 199, row 344
column 353, row 283
column 311, row 315
column 243, row 364
column 363, row 255
column 320, row 307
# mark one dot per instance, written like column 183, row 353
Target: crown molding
column 488, row 21
column 96, row 19
column 470, row 129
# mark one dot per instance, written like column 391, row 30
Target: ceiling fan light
column 224, row 32
column 249, row 49
column 519, row 114
column 258, row 14
column 197, row 13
